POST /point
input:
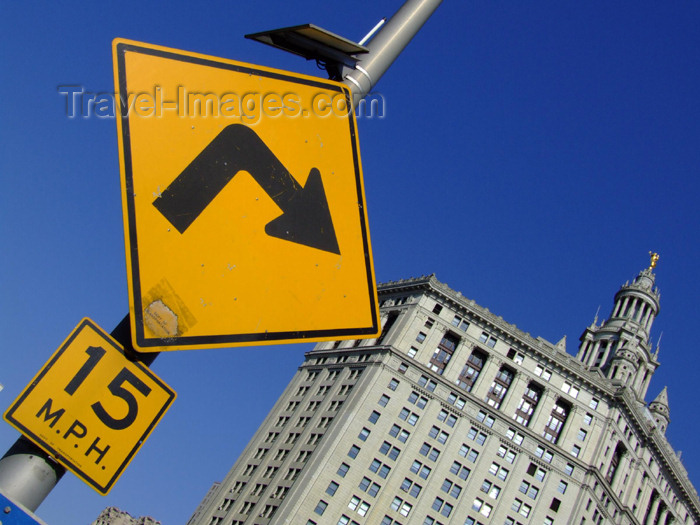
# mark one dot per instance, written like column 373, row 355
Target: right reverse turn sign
column 244, row 206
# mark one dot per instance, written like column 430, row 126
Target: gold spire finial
column 654, row 259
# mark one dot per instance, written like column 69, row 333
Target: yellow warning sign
column 90, row 407
column 244, row 206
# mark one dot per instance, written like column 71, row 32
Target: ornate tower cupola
column 637, row 304
column 620, row 346
column 660, row 411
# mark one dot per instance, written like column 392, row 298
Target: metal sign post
column 386, row 46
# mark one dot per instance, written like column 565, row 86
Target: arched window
column 499, row 387
column 556, row 420
column 471, row 370
column 443, row 353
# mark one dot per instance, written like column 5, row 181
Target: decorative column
column 514, row 395
column 651, row 518
column 488, row 373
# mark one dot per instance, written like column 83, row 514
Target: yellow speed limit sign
column 90, row 407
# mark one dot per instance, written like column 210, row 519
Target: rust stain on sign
column 164, row 313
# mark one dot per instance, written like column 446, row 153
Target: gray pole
column 386, row 45
column 27, row 473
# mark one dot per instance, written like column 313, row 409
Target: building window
column 460, row 323
column 371, row 488
column 401, row 506
column 343, row 469
column 355, row 373
column 418, row 468
column 373, row 417
column 427, row 383
column 489, row 488
column 408, row 485
column 393, row 384
column 354, row 451
column 437, row 309
column 483, row 508
column 506, row 454
column 477, row 436
column 471, row 370
column 556, row 420
column 487, row 339
column 581, row 436
column 563, row 485
column 516, row 357
column 499, row 387
column 399, row 433
column 543, row 372
column 410, row 417
column 528, row 404
column 575, row 451
column 441, row 506
column 536, row 472
column 451, row 488
column 593, row 404
column 515, row 437
column 364, row 434
column 588, row 419
column 384, row 400
column 420, row 337
column 459, row 470
column 388, row 450
column 520, row 507
column 568, row 388
column 449, row 419
column 358, row 505
column 332, row 487
column 431, row 453
column 412, row 351
column 321, row 508
column 457, row 401
column 546, row 455
column 530, row 490
column 439, row 435
column 324, row 422
column 443, row 353
column 485, row 418
column 418, row 400
column 379, row 468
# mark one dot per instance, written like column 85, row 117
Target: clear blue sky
column 530, row 156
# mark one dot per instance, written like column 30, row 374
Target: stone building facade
column 115, row 516
column 454, row 416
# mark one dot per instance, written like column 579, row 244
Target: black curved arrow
column 305, row 217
